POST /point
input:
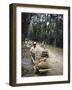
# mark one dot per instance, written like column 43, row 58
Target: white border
column 63, row 77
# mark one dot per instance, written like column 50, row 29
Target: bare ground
column 55, row 63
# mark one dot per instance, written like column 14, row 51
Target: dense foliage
column 45, row 28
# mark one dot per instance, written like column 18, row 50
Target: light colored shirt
column 37, row 50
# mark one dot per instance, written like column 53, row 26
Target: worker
column 33, row 51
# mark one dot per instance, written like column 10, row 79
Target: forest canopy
column 43, row 27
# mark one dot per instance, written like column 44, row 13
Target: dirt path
column 55, row 63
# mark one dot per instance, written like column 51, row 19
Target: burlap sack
column 41, row 63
